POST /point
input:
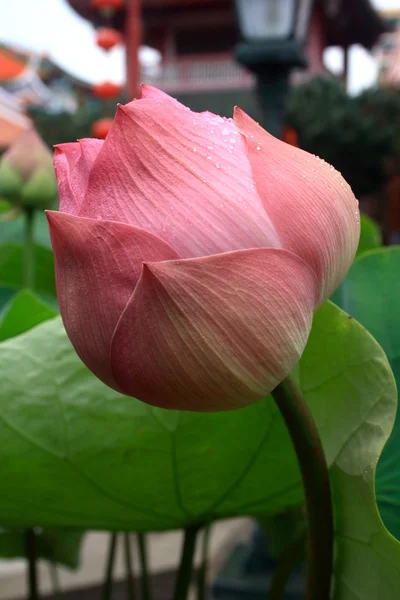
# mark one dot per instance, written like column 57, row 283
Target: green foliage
column 371, row 293
column 5, row 206
column 23, row 312
column 355, row 134
column 11, row 270
column 60, row 546
column 13, row 230
column 370, row 236
column 59, row 128
column 93, row 458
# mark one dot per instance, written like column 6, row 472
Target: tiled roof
column 10, row 65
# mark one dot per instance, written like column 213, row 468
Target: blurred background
column 323, row 75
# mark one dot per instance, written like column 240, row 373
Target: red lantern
column 108, row 7
column 106, row 90
column 290, row 136
column 101, row 128
column 107, row 38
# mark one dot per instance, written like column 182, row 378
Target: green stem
column 202, row 572
column 146, row 595
column 55, row 581
column 29, row 249
column 107, row 587
column 10, row 215
column 31, row 553
column 130, row 580
column 184, row 576
column 315, row 475
column 286, row 563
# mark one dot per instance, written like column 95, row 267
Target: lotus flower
column 192, row 251
column 26, row 173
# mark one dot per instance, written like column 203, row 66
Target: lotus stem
column 130, row 579
column 145, row 583
column 314, row 471
column 290, row 557
column 202, row 573
column 29, row 249
column 55, row 580
column 31, row 553
column 107, row 588
column 185, row 572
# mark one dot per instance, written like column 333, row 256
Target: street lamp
column 273, row 34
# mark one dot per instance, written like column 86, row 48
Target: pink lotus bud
column 192, row 251
column 26, row 173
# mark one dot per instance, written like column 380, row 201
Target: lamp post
column 272, row 33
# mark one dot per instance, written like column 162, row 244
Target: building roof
column 355, row 22
column 10, row 65
column 13, row 120
column 347, row 21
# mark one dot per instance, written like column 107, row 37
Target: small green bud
column 27, row 176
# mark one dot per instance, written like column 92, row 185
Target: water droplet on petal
column 194, row 149
column 258, row 147
column 225, row 131
column 98, row 217
column 210, row 147
column 209, row 157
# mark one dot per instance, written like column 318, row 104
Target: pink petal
column 214, row 333
column 98, row 264
column 313, row 208
column 72, row 163
column 185, row 176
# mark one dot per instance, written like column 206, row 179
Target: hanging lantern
column 108, row 8
column 290, row 136
column 107, row 38
column 106, row 90
column 101, row 127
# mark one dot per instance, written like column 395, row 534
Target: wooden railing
column 192, row 75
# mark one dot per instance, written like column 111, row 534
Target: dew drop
column 194, row 149
column 210, row 147
column 194, row 122
column 258, row 147
column 232, row 140
column 218, row 166
column 209, row 157
column 98, row 217
column 225, row 131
